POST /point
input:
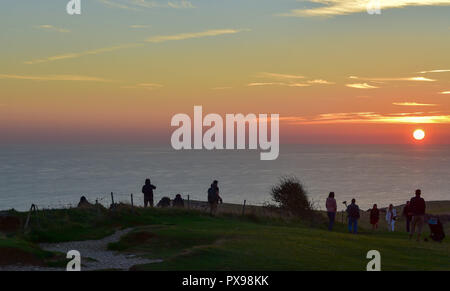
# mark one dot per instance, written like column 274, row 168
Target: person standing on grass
column 374, row 217
column 391, row 216
column 417, row 211
column 407, row 214
column 147, row 190
column 214, row 197
column 353, row 216
column 331, row 210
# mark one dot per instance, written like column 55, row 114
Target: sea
column 56, row 176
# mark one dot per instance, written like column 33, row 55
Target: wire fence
column 137, row 200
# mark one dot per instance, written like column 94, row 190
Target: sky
column 118, row 72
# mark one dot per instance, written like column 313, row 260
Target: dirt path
column 94, row 249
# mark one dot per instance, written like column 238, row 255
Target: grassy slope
column 188, row 240
column 204, row 243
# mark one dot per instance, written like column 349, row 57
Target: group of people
column 213, row 197
column 414, row 213
column 147, row 190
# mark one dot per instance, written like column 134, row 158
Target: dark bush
column 291, row 197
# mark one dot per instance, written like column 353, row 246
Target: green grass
column 226, row 244
column 16, row 250
column 190, row 240
column 25, row 246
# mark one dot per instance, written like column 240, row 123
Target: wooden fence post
column 32, row 208
column 243, row 207
column 132, row 200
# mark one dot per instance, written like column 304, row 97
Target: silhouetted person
column 178, row 201
column 407, row 214
column 164, row 202
column 147, row 189
column 391, row 216
column 214, row 197
column 331, row 210
column 84, row 203
column 353, row 216
column 417, row 210
column 374, row 216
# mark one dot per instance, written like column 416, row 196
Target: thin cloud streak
column 372, row 117
column 52, row 28
column 156, row 39
column 181, row 4
column 412, row 104
column 221, row 88
column 81, row 54
column 54, row 78
column 280, row 76
column 137, row 26
column 288, row 80
column 148, row 86
column 259, row 84
column 184, row 36
column 137, row 5
column 117, row 5
column 420, row 79
column 345, row 7
column 361, row 86
column 321, row 82
column 434, row 71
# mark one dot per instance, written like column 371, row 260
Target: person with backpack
column 391, row 217
column 353, row 216
column 147, row 190
column 331, row 210
column 214, row 197
column 417, row 210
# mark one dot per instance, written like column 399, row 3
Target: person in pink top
column 331, row 210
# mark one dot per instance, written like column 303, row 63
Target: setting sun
column 419, row 134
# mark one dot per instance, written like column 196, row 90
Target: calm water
column 58, row 175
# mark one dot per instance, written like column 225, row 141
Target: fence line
column 107, row 199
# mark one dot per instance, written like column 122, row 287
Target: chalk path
column 94, row 249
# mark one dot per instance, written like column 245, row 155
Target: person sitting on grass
column 391, row 216
column 178, row 201
column 374, row 217
column 164, row 202
column 331, row 210
column 84, row 203
column 353, row 216
column 214, row 197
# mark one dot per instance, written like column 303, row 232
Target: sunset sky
column 121, row 70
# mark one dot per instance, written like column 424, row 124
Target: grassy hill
column 192, row 240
